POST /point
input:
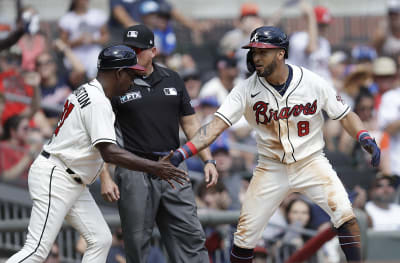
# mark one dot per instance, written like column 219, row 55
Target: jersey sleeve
column 233, row 107
column 333, row 104
column 99, row 122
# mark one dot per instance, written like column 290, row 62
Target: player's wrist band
column 363, row 134
column 187, row 150
column 214, row 162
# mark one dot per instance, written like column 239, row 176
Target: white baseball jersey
column 317, row 61
column 289, row 127
column 389, row 112
column 87, row 120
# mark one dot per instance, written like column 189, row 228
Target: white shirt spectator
column 384, row 219
column 317, row 61
column 78, row 25
column 389, row 111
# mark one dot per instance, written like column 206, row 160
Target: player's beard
column 268, row 70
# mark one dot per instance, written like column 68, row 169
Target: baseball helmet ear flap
column 249, row 62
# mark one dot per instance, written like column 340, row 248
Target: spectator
column 157, row 17
column 17, row 151
column 85, row 31
column 384, row 213
column 2, row 106
column 127, row 13
column 117, row 251
column 298, row 215
column 389, row 121
column 223, row 83
column 248, row 20
column 311, row 49
column 26, row 23
column 364, row 107
column 191, row 77
column 228, row 175
column 385, row 76
column 215, row 198
column 386, row 37
column 363, row 55
column 338, row 65
column 22, row 92
column 33, row 43
column 55, row 85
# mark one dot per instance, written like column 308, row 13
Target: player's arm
column 190, row 124
column 355, row 128
column 111, row 153
column 202, row 138
column 312, row 29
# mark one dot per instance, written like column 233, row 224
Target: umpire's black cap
column 139, row 36
column 118, row 56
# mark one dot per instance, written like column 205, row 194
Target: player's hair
column 11, row 123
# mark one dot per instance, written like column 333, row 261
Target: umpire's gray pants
column 146, row 199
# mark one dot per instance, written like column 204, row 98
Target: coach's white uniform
column 58, row 178
column 290, row 143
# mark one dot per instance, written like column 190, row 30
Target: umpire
column 148, row 118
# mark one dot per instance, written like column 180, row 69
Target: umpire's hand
column 168, row 172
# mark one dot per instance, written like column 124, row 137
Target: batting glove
column 370, row 146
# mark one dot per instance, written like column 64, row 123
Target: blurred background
column 50, row 47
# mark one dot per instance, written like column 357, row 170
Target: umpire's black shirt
column 148, row 115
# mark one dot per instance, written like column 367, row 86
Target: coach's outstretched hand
column 370, row 146
column 167, row 171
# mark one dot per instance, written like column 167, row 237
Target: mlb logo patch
column 132, row 34
column 131, row 96
column 170, row 91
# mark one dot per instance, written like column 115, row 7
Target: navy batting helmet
column 268, row 37
column 118, row 56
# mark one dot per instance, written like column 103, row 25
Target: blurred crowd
column 39, row 68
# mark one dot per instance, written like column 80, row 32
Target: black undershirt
column 282, row 88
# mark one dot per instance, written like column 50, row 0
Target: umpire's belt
column 60, row 163
column 151, row 156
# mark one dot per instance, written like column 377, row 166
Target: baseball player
column 284, row 104
column 72, row 159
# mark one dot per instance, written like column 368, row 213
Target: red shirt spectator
column 11, row 82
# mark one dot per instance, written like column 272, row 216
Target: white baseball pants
column 272, row 181
column 56, row 196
